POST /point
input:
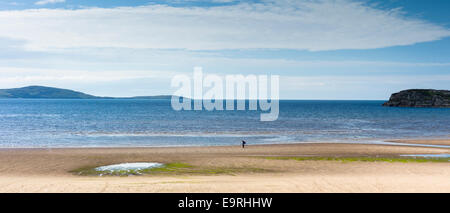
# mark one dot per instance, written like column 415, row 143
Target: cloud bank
column 313, row 25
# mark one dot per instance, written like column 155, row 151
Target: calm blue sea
column 125, row 122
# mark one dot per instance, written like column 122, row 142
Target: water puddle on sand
column 409, row 144
column 429, row 155
column 128, row 167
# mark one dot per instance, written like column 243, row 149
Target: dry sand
column 47, row 170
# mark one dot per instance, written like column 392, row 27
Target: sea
column 53, row 123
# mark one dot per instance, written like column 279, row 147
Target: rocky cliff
column 420, row 98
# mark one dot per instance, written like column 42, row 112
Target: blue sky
column 336, row 49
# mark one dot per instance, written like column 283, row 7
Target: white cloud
column 14, row 3
column 154, row 82
column 27, row 76
column 302, row 24
column 44, row 2
column 356, row 87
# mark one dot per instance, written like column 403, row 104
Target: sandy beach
column 258, row 168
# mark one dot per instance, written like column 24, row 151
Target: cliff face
column 420, row 98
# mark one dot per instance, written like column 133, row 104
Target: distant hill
column 420, row 98
column 57, row 93
column 152, row 97
column 43, row 92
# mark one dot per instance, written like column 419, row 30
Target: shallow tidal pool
column 127, row 168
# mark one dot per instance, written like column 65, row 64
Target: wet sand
column 444, row 142
column 48, row 170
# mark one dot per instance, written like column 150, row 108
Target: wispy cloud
column 102, row 83
column 112, row 83
column 14, row 3
column 355, row 87
column 44, row 2
column 304, row 24
column 33, row 75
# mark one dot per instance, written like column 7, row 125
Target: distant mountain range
column 57, row 93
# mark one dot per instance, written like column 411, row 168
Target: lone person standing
column 243, row 144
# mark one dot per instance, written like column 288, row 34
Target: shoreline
column 257, row 168
column 423, row 142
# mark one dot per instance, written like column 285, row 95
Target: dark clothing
column 243, row 144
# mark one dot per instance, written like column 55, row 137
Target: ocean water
column 125, row 122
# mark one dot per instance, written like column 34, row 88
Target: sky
column 321, row 49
